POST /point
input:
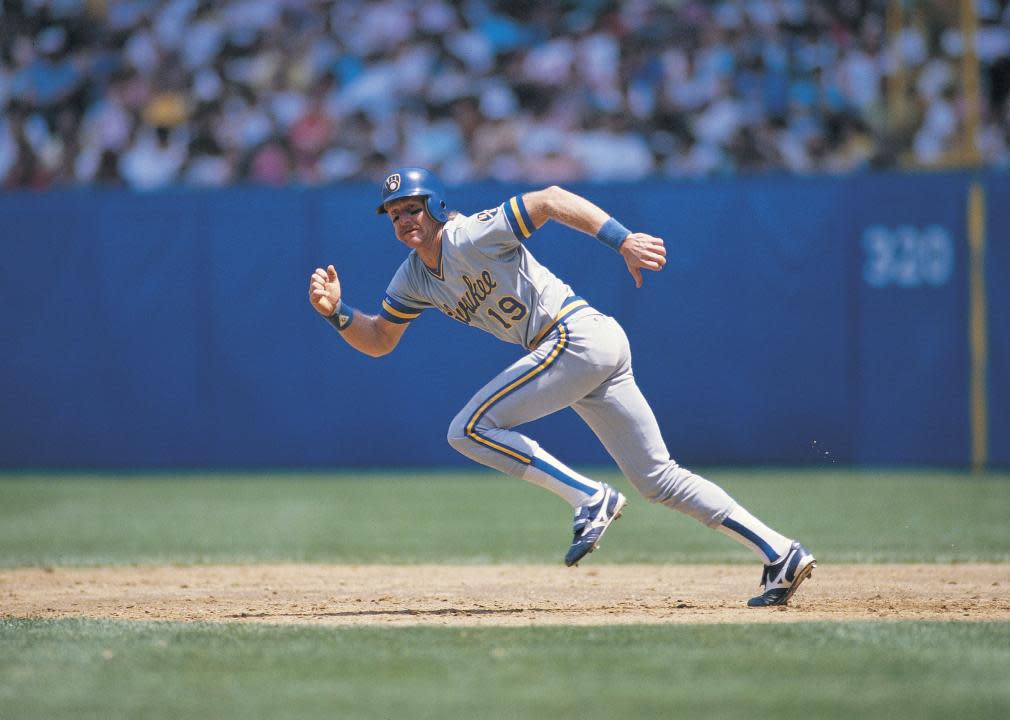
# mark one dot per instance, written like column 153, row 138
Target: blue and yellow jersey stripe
column 397, row 312
column 518, row 219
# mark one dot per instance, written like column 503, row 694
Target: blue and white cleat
column 591, row 521
column 781, row 579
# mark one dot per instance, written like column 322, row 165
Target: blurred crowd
column 152, row 93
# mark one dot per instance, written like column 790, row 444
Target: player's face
column 410, row 221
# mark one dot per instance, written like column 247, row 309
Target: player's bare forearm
column 639, row 250
column 556, row 203
column 369, row 334
column 372, row 334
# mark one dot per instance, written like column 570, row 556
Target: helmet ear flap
column 436, row 207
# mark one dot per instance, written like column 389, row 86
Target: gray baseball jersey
column 486, row 278
column 577, row 358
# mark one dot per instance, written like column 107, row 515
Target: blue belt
column 572, row 305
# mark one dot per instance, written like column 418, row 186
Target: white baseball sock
column 747, row 530
column 550, row 473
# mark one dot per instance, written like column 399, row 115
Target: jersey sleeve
column 518, row 219
column 499, row 231
column 402, row 302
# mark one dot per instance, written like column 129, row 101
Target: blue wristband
column 612, row 234
column 342, row 317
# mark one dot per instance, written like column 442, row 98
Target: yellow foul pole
column 977, row 329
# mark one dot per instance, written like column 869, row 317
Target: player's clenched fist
column 324, row 290
column 643, row 251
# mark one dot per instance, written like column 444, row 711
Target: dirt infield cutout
column 516, row 595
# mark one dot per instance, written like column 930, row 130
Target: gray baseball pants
column 583, row 363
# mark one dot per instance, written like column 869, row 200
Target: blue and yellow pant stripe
column 529, row 375
column 471, row 426
column 509, row 389
column 518, row 219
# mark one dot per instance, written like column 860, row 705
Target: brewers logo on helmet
column 415, row 182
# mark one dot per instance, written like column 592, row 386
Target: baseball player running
column 477, row 270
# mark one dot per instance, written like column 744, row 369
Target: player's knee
column 457, row 442
column 660, row 483
column 456, row 435
column 650, row 490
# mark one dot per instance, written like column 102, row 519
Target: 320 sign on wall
column 907, row 256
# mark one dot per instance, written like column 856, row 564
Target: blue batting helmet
column 415, row 182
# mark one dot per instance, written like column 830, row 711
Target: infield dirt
column 478, row 595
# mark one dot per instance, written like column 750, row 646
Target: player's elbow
column 377, row 351
column 380, row 342
column 554, row 197
column 546, row 204
column 372, row 347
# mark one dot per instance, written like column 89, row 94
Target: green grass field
column 103, row 669
column 94, row 519
column 161, row 670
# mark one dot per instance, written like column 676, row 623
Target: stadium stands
column 151, row 93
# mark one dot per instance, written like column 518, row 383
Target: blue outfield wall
column 998, row 291
column 799, row 320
